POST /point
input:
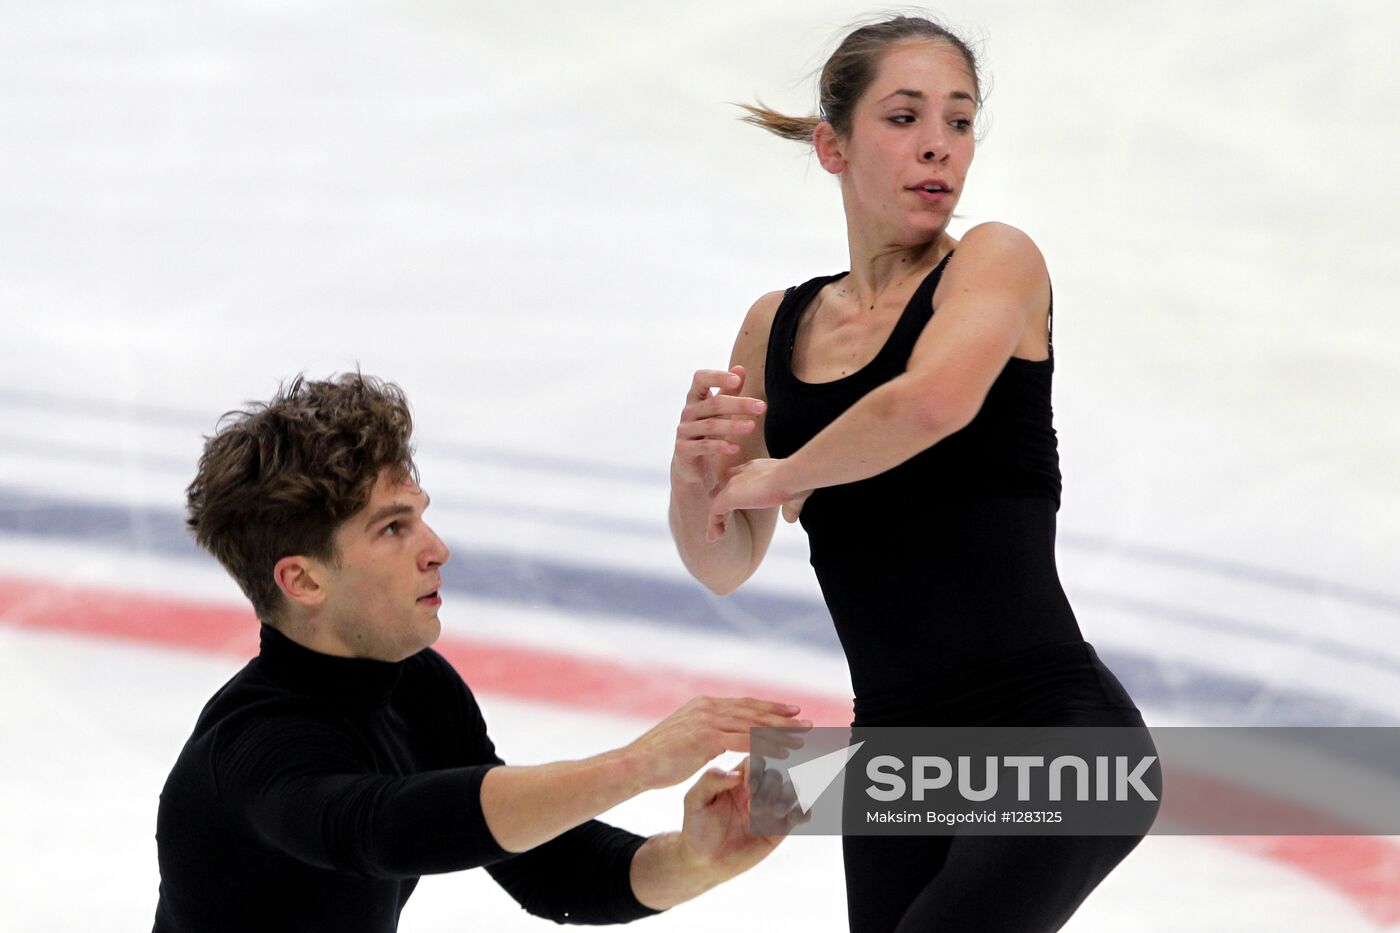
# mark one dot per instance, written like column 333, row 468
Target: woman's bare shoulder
column 762, row 311
column 751, row 345
column 996, row 243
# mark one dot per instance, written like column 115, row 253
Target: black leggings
column 991, row 884
column 973, row 884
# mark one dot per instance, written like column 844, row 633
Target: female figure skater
column 905, row 418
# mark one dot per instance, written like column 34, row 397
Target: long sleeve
column 582, row 876
column 304, row 788
column 315, row 791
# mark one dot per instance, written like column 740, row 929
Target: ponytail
column 798, row 129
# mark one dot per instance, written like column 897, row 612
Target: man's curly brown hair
column 277, row 478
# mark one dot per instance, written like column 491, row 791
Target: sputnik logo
column 811, row 778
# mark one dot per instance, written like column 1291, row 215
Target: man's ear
column 830, row 149
column 301, row 580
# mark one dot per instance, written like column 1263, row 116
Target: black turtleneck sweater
column 316, row 790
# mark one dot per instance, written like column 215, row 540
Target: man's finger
column 746, row 721
column 755, row 705
column 735, row 741
column 712, row 783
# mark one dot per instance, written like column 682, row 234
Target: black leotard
column 940, row 576
column 947, row 561
column 315, row 791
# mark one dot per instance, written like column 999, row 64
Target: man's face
column 382, row 599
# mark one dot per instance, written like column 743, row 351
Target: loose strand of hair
column 797, row 129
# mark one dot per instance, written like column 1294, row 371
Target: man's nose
column 436, row 554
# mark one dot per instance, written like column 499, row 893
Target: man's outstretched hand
column 701, row 731
column 714, row 843
column 717, row 817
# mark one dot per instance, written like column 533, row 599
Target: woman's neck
column 878, row 267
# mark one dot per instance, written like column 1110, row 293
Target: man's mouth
column 432, row 599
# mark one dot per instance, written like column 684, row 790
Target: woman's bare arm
column 989, row 290
column 719, row 431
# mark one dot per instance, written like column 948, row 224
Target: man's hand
column 713, row 845
column 715, row 831
column 701, row 731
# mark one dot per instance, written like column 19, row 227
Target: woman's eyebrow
column 920, row 95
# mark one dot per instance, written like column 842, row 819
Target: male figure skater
column 348, row 758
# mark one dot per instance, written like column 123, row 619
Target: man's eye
column 391, row 529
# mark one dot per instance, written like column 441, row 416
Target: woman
column 905, row 418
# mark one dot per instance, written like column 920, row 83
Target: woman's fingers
column 711, row 427
column 792, row 508
column 706, row 379
column 705, row 447
column 723, row 406
column 718, row 523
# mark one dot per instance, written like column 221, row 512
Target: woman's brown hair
column 850, row 70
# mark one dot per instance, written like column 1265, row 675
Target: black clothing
column 952, row 551
column 987, row 884
column 941, row 580
column 991, row 884
column 316, row 790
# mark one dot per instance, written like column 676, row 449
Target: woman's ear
column 830, row 148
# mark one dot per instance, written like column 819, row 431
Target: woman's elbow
column 723, row 587
column 936, row 417
column 709, row 576
column 722, row 581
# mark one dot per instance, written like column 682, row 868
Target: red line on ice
column 1364, row 869
column 490, row 667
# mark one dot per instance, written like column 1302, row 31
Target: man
column 348, row 758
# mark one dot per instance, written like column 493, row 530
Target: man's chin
column 431, row 632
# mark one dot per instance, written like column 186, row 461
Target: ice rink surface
column 539, row 220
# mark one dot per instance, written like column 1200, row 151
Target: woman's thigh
column 884, row 874
column 1017, row 884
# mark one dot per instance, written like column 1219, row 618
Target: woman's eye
column 903, row 119
column 962, row 125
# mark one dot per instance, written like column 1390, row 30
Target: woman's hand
column 753, row 485
column 711, row 423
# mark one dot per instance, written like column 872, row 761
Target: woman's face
column 911, row 142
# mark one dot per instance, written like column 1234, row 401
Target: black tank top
column 946, row 562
